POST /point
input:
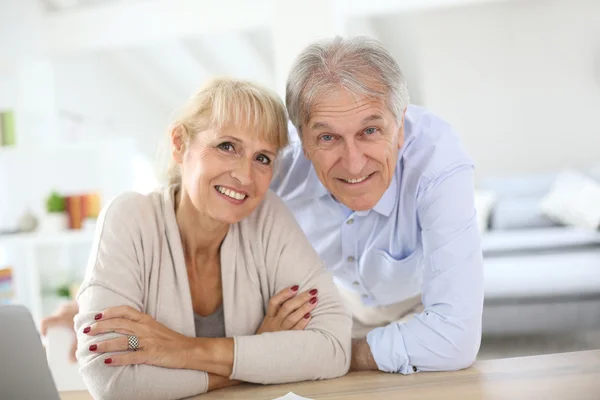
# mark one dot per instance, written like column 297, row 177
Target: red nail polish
column 307, row 316
column 295, row 288
column 108, row 361
column 93, row 347
column 98, row 316
column 313, row 300
column 87, row 329
column 313, row 292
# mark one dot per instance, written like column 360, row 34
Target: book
column 6, row 285
column 7, row 128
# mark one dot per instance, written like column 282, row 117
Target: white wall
column 519, row 80
column 399, row 34
column 43, row 89
column 91, row 86
column 22, row 29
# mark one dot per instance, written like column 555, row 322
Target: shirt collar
column 384, row 206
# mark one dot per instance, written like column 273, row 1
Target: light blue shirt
column 421, row 237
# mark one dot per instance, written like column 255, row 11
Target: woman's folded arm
column 323, row 349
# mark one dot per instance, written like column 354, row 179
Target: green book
column 7, row 122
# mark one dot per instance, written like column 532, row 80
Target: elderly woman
column 209, row 281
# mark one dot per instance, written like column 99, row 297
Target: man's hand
column 362, row 358
column 63, row 316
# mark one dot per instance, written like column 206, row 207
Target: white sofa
column 540, row 276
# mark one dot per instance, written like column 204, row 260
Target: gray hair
column 361, row 65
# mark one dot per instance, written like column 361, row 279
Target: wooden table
column 557, row 376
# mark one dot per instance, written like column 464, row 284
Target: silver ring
column 133, row 342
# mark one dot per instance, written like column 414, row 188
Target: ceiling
column 170, row 47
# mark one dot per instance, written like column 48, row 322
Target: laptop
column 24, row 371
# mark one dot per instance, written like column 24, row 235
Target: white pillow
column 484, row 201
column 573, row 200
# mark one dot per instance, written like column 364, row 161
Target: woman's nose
column 243, row 172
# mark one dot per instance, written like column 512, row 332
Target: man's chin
column 357, row 203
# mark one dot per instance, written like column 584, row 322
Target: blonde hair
column 224, row 102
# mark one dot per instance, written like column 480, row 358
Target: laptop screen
column 24, row 371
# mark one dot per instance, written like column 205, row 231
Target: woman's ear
column 178, row 143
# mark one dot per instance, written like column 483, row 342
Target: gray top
column 211, row 326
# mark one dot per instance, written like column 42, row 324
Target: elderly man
column 384, row 192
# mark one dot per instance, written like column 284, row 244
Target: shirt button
column 365, row 297
column 356, row 284
column 350, row 259
column 350, row 221
column 414, row 369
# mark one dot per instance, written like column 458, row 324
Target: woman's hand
column 288, row 310
column 158, row 345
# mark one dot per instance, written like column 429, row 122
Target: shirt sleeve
column 114, row 278
column 447, row 335
column 322, row 349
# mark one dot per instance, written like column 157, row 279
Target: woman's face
column 225, row 173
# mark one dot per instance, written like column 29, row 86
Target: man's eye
column 327, row 138
column 370, row 131
column 226, row 146
column 263, row 159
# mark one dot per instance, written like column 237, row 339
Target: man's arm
column 447, row 335
column 362, row 358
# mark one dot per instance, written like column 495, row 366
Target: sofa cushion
column 574, row 200
column 519, row 213
column 533, row 185
column 484, row 203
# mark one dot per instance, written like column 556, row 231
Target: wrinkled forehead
column 345, row 109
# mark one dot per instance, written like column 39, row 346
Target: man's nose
column 354, row 158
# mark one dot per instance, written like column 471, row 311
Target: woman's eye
column 227, row 146
column 370, row 131
column 263, row 159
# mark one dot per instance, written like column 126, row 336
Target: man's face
column 353, row 143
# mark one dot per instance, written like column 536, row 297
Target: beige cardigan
column 137, row 260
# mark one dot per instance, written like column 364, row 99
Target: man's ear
column 306, row 155
column 304, row 151
column 401, row 131
column 178, row 143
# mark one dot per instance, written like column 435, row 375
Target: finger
column 47, row 323
column 112, row 345
column 73, row 352
column 292, row 305
column 281, row 297
column 129, row 358
column 126, row 312
column 293, row 318
column 301, row 325
column 117, row 325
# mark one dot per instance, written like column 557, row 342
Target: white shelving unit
column 40, row 261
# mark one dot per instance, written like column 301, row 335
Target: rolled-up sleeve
column 447, row 334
